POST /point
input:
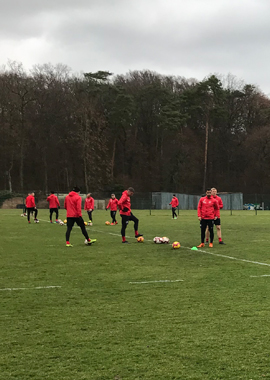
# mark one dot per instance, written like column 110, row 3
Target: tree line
column 142, row 129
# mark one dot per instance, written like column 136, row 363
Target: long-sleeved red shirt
column 220, row 205
column 207, row 208
column 53, row 201
column 174, row 202
column 89, row 203
column 30, row 201
column 73, row 205
column 124, row 203
column 112, row 204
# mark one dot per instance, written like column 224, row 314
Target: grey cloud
column 178, row 37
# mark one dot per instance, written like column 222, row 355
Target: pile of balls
column 161, row 240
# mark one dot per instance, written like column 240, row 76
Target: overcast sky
column 189, row 38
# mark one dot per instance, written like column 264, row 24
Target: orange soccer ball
column 176, row 245
column 140, row 239
column 107, row 223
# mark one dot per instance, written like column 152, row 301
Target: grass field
column 110, row 316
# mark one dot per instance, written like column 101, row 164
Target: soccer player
column 126, row 214
column 89, row 206
column 25, row 208
column 217, row 221
column 53, row 206
column 31, row 207
column 73, row 205
column 174, row 202
column 207, row 208
column 113, row 202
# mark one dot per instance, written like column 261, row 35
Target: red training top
column 89, row 203
column 112, row 204
column 220, row 205
column 124, row 202
column 174, row 202
column 30, row 201
column 73, row 205
column 207, row 208
column 53, row 201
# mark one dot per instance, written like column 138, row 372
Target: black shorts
column 79, row 221
column 204, row 223
column 217, row 222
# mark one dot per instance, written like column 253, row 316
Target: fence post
column 231, row 202
column 256, row 204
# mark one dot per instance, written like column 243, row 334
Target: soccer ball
column 90, row 224
column 61, row 223
column 165, row 240
column 140, row 239
column 36, row 221
column 176, row 245
column 107, row 223
column 157, row 240
column 65, row 221
column 85, row 223
column 22, row 214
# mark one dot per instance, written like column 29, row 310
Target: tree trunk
column 205, row 154
column 21, row 163
column 45, row 173
column 113, row 159
column 85, row 173
column 66, row 169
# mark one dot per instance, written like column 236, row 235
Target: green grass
column 97, row 325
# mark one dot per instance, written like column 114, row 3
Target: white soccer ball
column 165, row 240
column 157, row 240
column 61, row 223
column 36, row 221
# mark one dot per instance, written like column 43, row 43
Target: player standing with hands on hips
column 126, row 214
column 174, row 202
column 207, row 208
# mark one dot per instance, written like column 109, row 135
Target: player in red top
column 174, row 202
column 31, row 207
column 73, row 205
column 113, row 202
column 89, row 206
column 207, row 208
column 217, row 221
column 54, row 205
column 126, row 214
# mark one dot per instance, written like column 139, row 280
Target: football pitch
column 135, row 311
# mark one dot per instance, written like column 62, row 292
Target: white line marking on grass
column 151, row 282
column 189, row 248
column 37, row 287
column 263, row 275
column 230, row 257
